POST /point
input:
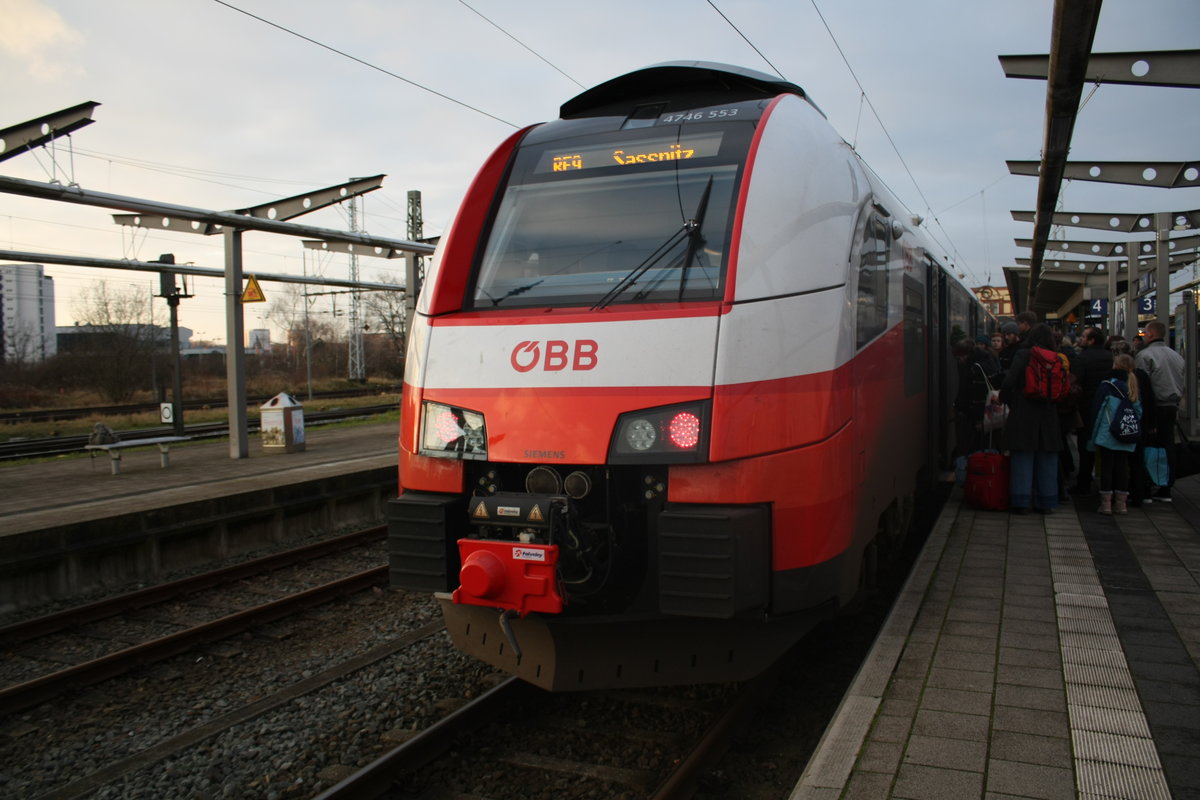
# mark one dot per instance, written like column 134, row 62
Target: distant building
column 260, row 341
column 73, row 338
column 996, row 299
column 26, row 314
column 203, row 350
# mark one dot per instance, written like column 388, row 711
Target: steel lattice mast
column 356, row 371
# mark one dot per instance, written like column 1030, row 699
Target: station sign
column 1098, row 308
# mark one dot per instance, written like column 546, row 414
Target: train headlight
column 640, row 434
column 452, row 432
column 666, row 435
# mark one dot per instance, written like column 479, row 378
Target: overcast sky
column 205, row 106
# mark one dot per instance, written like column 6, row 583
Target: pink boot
column 1106, row 503
column 1120, row 505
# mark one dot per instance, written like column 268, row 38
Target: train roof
column 671, row 78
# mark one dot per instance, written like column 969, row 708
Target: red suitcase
column 987, row 480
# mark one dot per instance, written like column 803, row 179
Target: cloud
column 37, row 37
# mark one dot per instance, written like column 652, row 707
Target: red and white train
column 679, row 367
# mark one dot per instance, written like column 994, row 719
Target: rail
column 36, row 690
column 25, row 630
column 64, row 414
column 380, row 777
column 30, row 693
column 62, row 445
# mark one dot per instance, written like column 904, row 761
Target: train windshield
column 637, row 217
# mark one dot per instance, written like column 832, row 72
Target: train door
column 941, row 387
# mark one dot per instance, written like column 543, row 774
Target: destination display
column 626, row 154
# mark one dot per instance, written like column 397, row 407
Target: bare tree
column 118, row 337
column 385, row 314
column 23, row 346
column 286, row 311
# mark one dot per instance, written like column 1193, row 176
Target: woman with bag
column 1031, row 433
column 1115, row 434
column 1147, row 465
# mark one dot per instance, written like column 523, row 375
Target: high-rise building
column 26, row 314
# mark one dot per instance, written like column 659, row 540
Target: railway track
column 63, row 414
column 516, row 738
column 62, row 445
column 244, row 696
column 107, row 638
column 517, row 741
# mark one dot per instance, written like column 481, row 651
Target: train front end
column 560, row 386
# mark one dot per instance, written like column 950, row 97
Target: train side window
column 873, row 281
column 914, row 335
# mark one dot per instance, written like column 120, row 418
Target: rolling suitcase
column 987, row 480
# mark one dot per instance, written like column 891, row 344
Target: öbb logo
column 559, row 355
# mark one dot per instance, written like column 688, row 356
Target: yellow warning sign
column 536, row 514
column 253, row 293
column 480, row 511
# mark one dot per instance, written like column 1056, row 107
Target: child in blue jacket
column 1113, row 454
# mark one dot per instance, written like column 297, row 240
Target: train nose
column 482, row 575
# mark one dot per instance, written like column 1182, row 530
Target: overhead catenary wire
column 365, row 63
column 518, row 41
column 746, row 39
column 180, row 170
column 864, row 98
column 928, row 207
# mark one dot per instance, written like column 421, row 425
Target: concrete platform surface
column 75, row 489
column 1032, row 656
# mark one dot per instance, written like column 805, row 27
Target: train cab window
column 873, row 281
column 639, row 216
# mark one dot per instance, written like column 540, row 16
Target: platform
column 70, row 526
column 1032, row 656
column 71, row 489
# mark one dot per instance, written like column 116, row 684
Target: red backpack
column 1045, row 376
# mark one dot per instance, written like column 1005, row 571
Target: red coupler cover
column 987, row 480
column 521, row 577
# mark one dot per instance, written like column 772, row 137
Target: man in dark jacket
column 1091, row 367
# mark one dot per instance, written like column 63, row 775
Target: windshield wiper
column 690, row 230
column 641, row 269
column 695, row 237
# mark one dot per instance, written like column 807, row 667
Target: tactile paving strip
column 1114, row 754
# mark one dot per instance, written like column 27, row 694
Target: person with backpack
column 1115, row 433
column 1031, row 434
column 1141, row 486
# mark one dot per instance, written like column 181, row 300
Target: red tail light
column 685, row 430
column 666, row 435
